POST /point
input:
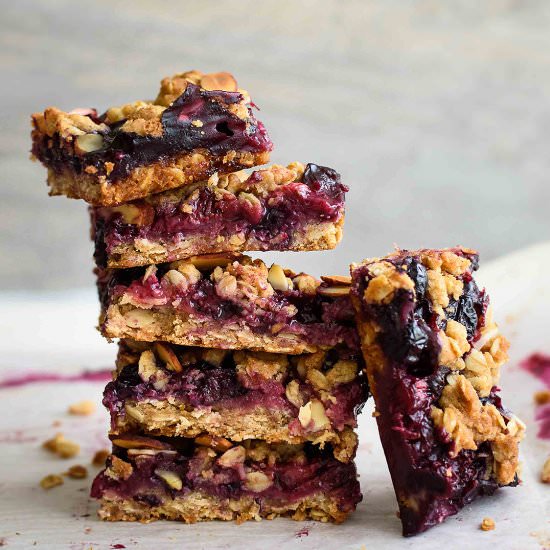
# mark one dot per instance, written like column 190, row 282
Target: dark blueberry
column 129, row 376
column 212, row 384
column 417, row 272
column 321, row 178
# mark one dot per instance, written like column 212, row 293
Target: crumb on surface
column 82, row 408
column 76, row 472
column 100, row 457
column 61, row 446
column 545, row 474
column 542, row 397
column 50, row 481
column 488, row 524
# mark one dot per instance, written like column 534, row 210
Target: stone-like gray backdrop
column 436, row 113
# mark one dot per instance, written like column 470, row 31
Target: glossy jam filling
column 221, row 131
column 320, row 473
column 412, row 382
column 320, row 320
column 272, row 221
column 221, row 387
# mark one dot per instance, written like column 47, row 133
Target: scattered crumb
column 3, row 542
column 56, row 423
column 488, row 524
column 375, row 414
column 76, row 472
column 65, row 448
column 88, row 530
column 542, row 397
column 82, row 408
column 545, row 474
column 100, row 457
column 50, row 481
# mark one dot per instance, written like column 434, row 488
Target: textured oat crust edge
column 197, row 506
column 151, row 325
column 163, row 418
column 314, row 236
column 152, row 178
column 462, row 416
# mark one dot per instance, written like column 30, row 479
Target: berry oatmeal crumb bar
column 227, row 302
column 162, row 389
column 295, row 208
column 199, row 124
column 213, row 478
column 433, row 355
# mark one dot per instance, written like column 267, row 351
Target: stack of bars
column 237, row 385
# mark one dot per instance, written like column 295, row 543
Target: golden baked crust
column 187, row 168
column 196, row 506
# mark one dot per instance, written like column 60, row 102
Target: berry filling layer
column 152, row 472
column 269, row 207
column 240, row 292
column 434, row 363
column 315, row 395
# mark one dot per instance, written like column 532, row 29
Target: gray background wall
column 436, row 113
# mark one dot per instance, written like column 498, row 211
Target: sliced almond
column 175, row 278
column 210, row 261
column 139, row 318
column 172, row 479
column 138, row 442
column 293, row 394
column 317, row 379
column 88, row 143
column 333, row 291
column 132, row 214
column 147, row 365
column 219, row 81
column 277, row 278
column 312, row 416
column 219, row 444
column 233, row 457
column 257, row 482
column 151, row 270
column 166, row 353
column 149, row 452
column 336, row 280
